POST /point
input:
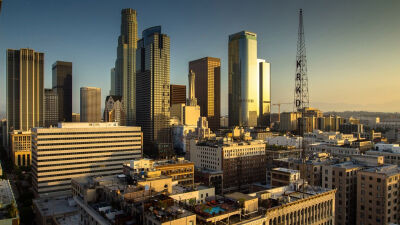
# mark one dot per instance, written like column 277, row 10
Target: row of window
column 90, row 157
column 88, row 152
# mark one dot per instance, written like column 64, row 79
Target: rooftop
column 6, row 193
column 56, row 205
column 68, row 220
column 286, row 170
column 385, row 169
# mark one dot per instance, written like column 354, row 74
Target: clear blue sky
column 353, row 47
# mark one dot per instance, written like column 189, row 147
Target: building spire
column 192, row 101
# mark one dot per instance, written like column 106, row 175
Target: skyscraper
column 125, row 65
column 90, row 104
column 264, row 71
column 62, row 85
column 192, row 100
column 153, row 107
column 112, row 88
column 24, row 89
column 178, row 94
column 243, row 79
column 113, row 110
column 50, row 107
column 208, row 88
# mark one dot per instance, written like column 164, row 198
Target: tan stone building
column 21, row 147
column 283, row 176
column 378, row 195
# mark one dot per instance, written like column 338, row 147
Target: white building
column 285, row 141
column 80, row 149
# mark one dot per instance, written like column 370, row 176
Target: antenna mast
column 301, row 98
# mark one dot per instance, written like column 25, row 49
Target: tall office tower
column 24, row 89
column 112, row 88
column 80, row 149
column 113, row 110
column 125, row 65
column 62, row 84
column 301, row 98
column 153, row 107
column 243, row 79
column 90, row 104
column 177, row 94
column 50, row 107
column 264, row 71
column 192, row 100
column 208, row 88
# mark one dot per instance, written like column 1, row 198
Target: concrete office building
column 125, row 65
column 62, row 85
column 90, row 104
column 288, row 121
column 24, row 89
column 21, row 147
column 377, row 195
column 153, row 91
column 80, row 149
column 177, row 94
column 51, row 116
column 207, row 73
column 243, row 79
column 114, row 110
column 264, row 71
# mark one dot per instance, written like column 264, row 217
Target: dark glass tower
column 153, row 92
column 62, row 85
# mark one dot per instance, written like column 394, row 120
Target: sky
column 353, row 47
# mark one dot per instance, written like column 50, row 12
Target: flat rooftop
column 239, row 195
column 286, row 170
column 68, row 220
column 56, row 205
column 385, row 169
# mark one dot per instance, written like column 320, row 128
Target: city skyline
column 365, row 29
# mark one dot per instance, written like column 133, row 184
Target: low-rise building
column 49, row 210
column 21, row 148
column 283, row 176
column 242, row 162
column 181, row 170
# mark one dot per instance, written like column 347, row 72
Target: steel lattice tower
column 301, row 98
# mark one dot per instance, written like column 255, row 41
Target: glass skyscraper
column 62, row 85
column 125, row 65
column 243, row 79
column 264, row 71
column 153, row 92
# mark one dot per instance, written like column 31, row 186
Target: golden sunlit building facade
column 21, row 147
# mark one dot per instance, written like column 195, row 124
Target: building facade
column 242, row 163
column 80, row 149
column 264, row 71
column 153, row 91
column 125, row 64
column 21, row 147
column 208, row 88
column 177, row 94
column 377, row 195
column 25, row 89
column 51, row 115
column 90, row 104
column 62, row 85
column 243, row 79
